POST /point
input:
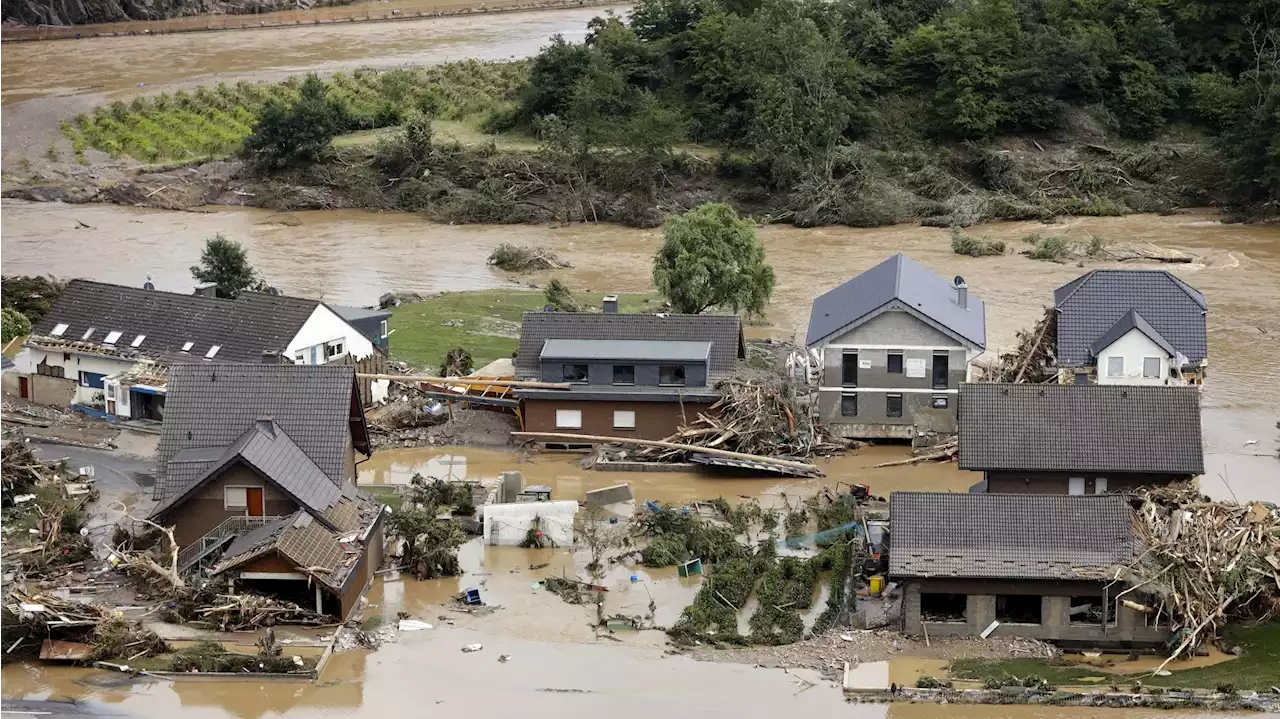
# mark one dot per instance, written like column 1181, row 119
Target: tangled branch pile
column 21, row 472
column 1034, row 359
column 761, row 415
column 30, row 619
column 513, row 258
column 237, row 612
column 1208, row 562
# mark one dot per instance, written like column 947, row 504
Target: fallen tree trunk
column 945, row 452
column 599, row 439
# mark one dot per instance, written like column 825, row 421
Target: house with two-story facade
column 894, row 345
column 256, row 472
column 108, row 347
column 1027, row 565
column 1133, row 327
column 1079, row 439
column 630, row 375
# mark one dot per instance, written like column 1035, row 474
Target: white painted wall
column 507, row 524
column 1134, row 346
column 323, row 326
column 29, row 357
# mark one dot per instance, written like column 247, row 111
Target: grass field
column 1257, row 669
column 466, row 132
column 488, row 323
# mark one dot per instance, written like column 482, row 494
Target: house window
column 848, row 405
column 137, row 340
column 941, row 367
column 1082, row 378
column 1115, row 366
column 624, row 419
column 212, row 351
column 1075, row 485
column 334, row 348
column 92, row 379
column 58, row 329
column 1018, row 608
column 574, row 372
column 186, row 346
column 849, row 369
column 939, row 401
column 671, row 375
column 1151, row 367
column 624, row 374
column 568, row 419
column 939, row 607
column 235, row 498
column 1100, row 485
column 1086, row 610
column 300, row 357
column 893, row 405
column 87, row 334
column 895, row 363
column 112, row 337
column 382, row 329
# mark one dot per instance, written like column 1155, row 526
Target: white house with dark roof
column 894, row 344
column 109, row 347
column 1133, row 327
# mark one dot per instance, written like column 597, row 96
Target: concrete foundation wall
column 509, row 524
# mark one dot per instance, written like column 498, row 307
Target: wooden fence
column 375, row 363
column 287, row 18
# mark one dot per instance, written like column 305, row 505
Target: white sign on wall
column 864, row 364
column 915, row 367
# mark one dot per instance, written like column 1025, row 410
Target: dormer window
column 58, row 330
column 186, row 346
column 87, row 334
column 212, row 351
column 111, row 338
column 137, row 340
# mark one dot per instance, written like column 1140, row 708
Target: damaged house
column 1079, row 439
column 257, row 478
column 632, row 375
column 893, row 345
column 1135, row 327
column 1039, row 566
column 108, row 348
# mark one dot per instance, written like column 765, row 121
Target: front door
column 24, row 388
column 253, row 495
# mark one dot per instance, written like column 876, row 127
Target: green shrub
column 928, row 682
column 1051, row 248
column 963, row 244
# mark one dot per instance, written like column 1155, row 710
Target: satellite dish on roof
column 147, row 285
column 959, row 281
column 273, row 291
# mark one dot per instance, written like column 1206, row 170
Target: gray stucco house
column 895, row 344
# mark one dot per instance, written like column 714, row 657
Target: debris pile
column 21, row 472
column 1206, row 562
column 941, row 452
column 93, row 633
column 1034, row 359
column 513, row 258
column 207, row 656
column 238, row 612
column 457, row 363
column 39, row 499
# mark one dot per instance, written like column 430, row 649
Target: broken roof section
column 210, row 406
column 157, row 325
column 1092, row 304
column 898, row 283
column 724, row 332
column 1009, row 536
column 1103, row 428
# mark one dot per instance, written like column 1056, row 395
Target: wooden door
column 24, row 388
column 253, row 496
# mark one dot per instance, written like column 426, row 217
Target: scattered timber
column 599, row 439
column 938, row 452
column 514, row 258
column 1033, row 360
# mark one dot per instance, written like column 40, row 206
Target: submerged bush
column 963, row 244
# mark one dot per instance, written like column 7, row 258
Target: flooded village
column 344, row 462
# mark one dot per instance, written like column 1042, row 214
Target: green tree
column 226, row 263
column 30, row 295
column 552, row 77
column 430, row 544
column 297, row 133
column 711, row 258
column 13, row 324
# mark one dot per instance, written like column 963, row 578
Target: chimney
column 610, row 304
column 962, row 293
column 206, row 289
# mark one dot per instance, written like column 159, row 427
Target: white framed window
column 112, row 338
column 1151, row 367
column 137, row 340
column 1075, row 485
column 300, row 357
column 568, row 419
column 186, row 346
column 235, row 498
column 87, row 334
column 382, row 329
column 58, row 329
column 1100, row 485
column 1115, row 366
column 333, row 348
column 212, row 351
column 624, row 419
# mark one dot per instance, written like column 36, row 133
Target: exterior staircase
column 215, row 540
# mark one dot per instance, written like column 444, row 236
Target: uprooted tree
column 709, row 258
column 430, row 544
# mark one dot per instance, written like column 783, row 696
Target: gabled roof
column 724, row 332
column 352, row 314
column 903, row 280
column 212, row 405
column 1091, row 304
column 651, row 350
column 1130, row 321
column 1085, row 428
column 242, row 328
column 1009, row 536
column 266, row 448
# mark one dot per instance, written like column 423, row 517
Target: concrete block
column 609, row 495
column 510, row 486
column 867, row 676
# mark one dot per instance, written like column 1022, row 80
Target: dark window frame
column 1016, row 608
column 624, row 366
column 844, row 407
column 848, row 367
column 889, row 363
column 944, row 603
column 569, row 374
column 675, row 369
column 888, row 405
column 945, row 381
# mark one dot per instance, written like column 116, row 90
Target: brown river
column 558, row 666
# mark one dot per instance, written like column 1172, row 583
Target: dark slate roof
column 1009, row 536
column 724, row 332
column 212, row 405
column 242, row 328
column 359, row 313
column 1102, row 428
column 908, row 282
column 268, row 449
column 654, row 350
column 1090, row 305
column 255, row 538
column 1131, row 320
